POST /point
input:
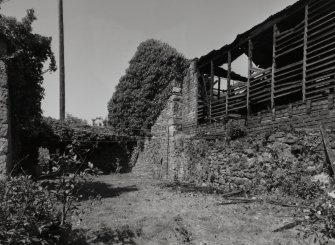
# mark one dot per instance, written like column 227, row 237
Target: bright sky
column 101, row 36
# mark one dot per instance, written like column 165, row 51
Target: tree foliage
column 75, row 120
column 27, row 53
column 143, row 91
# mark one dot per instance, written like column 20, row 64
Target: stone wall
column 248, row 162
column 156, row 154
column 5, row 149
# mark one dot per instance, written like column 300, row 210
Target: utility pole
column 61, row 63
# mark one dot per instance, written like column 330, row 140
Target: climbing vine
column 143, row 91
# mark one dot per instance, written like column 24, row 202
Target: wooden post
column 219, row 87
column 290, row 110
column 211, row 90
column 249, row 74
column 304, row 65
column 61, row 63
column 228, row 81
column 309, row 106
column 273, row 69
column 331, row 101
column 330, row 157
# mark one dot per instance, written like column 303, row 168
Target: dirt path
column 140, row 211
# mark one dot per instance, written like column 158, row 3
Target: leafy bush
column 72, row 175
column 38, row 212
column 27, row 213
column 143, row 91
column 319, row 220
column 235, row 129
column 291, row 179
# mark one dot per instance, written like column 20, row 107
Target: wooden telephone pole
column 61, row 63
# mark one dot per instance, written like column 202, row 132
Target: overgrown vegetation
column 27, row 214
column 26, row 55
column 143, row 91
column 100, row 145
column 319, row 220
column 283, row 167
column 236, row 129
column 39, row 212
column 70, row 119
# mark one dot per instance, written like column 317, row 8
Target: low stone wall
column 237, row 165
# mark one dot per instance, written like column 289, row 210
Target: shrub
column 235, row 129
column 319, row 220
column 72, row 174
column 27, row 214
column 38, row 212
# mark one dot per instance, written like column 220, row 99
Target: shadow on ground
column 122, row 235
column 102, row 190
column 191, row 188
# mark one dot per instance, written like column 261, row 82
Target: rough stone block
column 176, row 90
column 3, row 163
column 4, row 131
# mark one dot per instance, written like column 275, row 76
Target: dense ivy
column 142, row 92
column 101, row 145
column 26, row 55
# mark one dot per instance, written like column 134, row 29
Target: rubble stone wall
column 254, row 161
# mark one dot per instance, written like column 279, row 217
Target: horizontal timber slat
column 311, row 23
column 288, row 67
column 290, row 42
column 321, row 77
column 322, row 60
column 330, row 50
column 289, row 51
column 312, row 42
column 298, row 73
column 310, row 35
column 321, row 24
column 317, row 9
column 285, row 94
column 328, row 64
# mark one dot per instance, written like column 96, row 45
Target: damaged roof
column 240, row 44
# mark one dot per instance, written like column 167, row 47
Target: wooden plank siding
column 320, row 53
column 302, row 69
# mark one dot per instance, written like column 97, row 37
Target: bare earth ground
column 137, row 210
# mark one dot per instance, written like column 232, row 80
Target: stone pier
column 5, row 155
